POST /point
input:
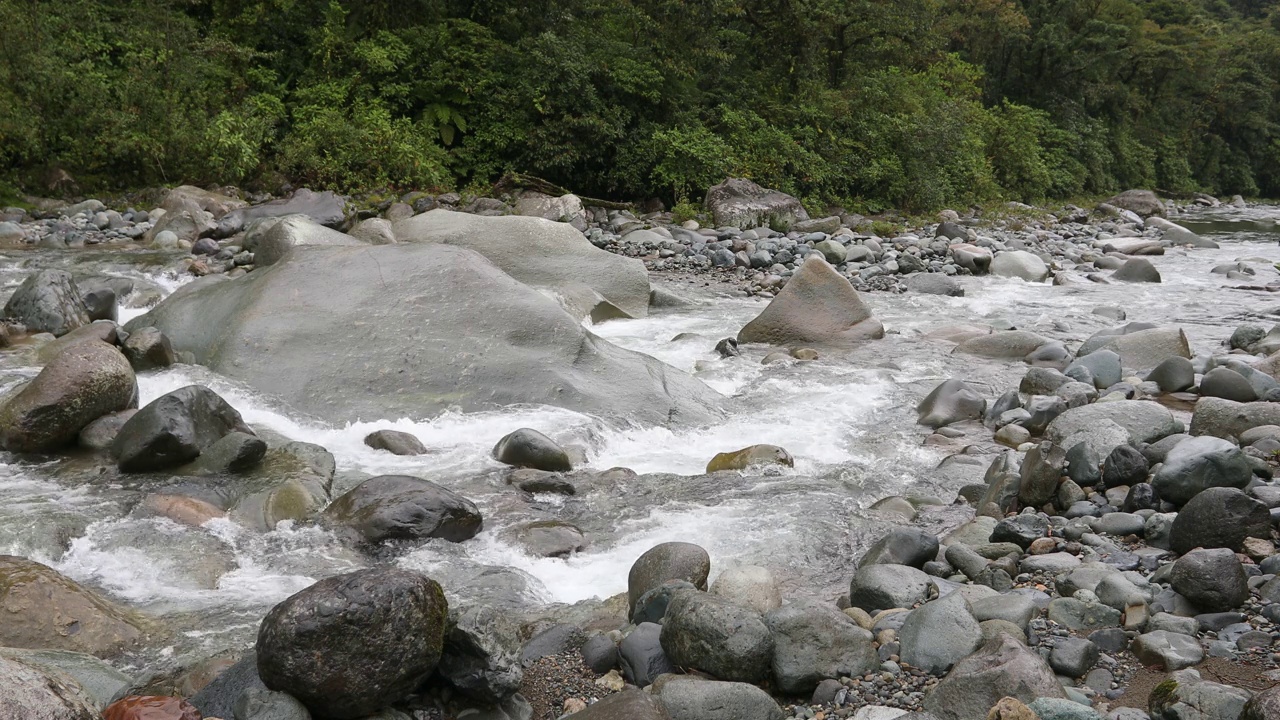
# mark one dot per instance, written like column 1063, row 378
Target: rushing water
column 847, row 418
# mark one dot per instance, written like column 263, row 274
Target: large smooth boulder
column 817, row 306
column 41, row 609
column 1004, row 667
column 32, row 692
column 884, row 587
column 1007, row 344
column 1143, row 349
column 528, row 448
column 1219, row 517
column 664, row 562
column 691, row 698
column 402, row 507
column 1168, row 650
column 295, row 231
column 1213, row 580
column 902, row 546
column 939, row 634
column 1199, row 463
column 1020, row 264
column 951, row 401
column 48, row 301
column 460, row 333
column 83, row 383
column 1137, row 270
column 324, row 208
column 751, row 457
column 1141, row 420
column 353, row 644
column 1225, row 418
column 815, row 642
column 641, row 657
column 1143, row 202
column 174, row 429
column 1223, row 382
column 551, row 256
column 743, row 204
column 148, row 349
column 708, row 633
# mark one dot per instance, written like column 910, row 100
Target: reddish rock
column 150, row 707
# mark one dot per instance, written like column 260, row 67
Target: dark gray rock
column 1004, row 667
column 1219, row 517
column 1137, row 270
column 1142, row 496
column 902, row 546
column 1103, row 367
column 234, row 452
column 219, row 697
column 883, row 587
column 642, row 657
column 531, row 449
column 353, row 644
column 147, row 349
column 1175, row 374
column 707, row 633
column 481, row 655
column 263, row 704
column 1213, row 580
column 100, row 303
column 1227, row 384
column 814, row 642
column 1021, row 530
column 1263, row 706
column 600, row 653
column 395, row 442
column 652, row 606
column 667, row 561
column 1124, row 466
column 558, row 639
column 324, row 208
column 1073, row 657
column 951, row 401
column 48, row 301
column 402, row 507
column 1198, row 463
column 174, row 429
column 939, row 634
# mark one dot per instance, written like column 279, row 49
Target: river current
column 848, row 419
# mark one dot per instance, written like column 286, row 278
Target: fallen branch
column 512, row 182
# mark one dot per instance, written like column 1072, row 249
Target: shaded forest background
column 911, row 104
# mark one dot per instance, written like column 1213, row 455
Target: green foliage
column 908, row 104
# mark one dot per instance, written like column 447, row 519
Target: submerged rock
column 395, row 442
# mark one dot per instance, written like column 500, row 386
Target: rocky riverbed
column 1016, row 463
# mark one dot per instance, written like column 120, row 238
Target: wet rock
column 44, row 610
column 36, row 693
column 48, row 301
column 1167, row 650
column 1124, row 466
column 1219, row 518
column 813, row 642
column 816, row 307
column 1002, row 668
column 550, row 538
column 1021, row 530
column 755, row 456
column 749, row 586
column 1225, row 418
column 641, row 655
column 951, row 401
column 147, row 349
column 902, row 546
column 219, row 697
column 939, row 634
column 1073, row 657
column 80, row 385
column 482, row 654
column 1175, row 374
column 934, row 284
column 395, row 442
column 150, row 707
column 401, row 507
column 99, row 681
column 1020, row 264
column 883, row 587
column 1227, row 384
column 352, row 644
column 668, row 561
column 652, row 606
column 262, row 704
column 710, row 634
column 174, row 429
column 743, row 204
column 1042, row 469
column 1213, row 580
column 1137, row 270
column 235, row 452
column 690, row 698
column 1198, row 463
column 531, row 449
column 181, row 509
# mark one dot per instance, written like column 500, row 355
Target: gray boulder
column 1228, row 384
column 939, row 634
column 690, row 698
column 1137, row 270
column 84, row 382
column 1226, row 419
column 269, row 327
column 1143, row 202
column 401, row 507
column 1198, row 463
column 528, row 448
column 1002, row 668
column 99, row 681
column 815, row 642
column 641, row 655
column 750, row 586
column 553, row 256
column 1073, row 657
column 1263, row 706
column 883, row 587
column 147, row 349
column 1007, row 344
column 1219, row 517
column 934, row 284
column 1170, row 651
column 630, row 704
column 902, row 546
column 741, row 203
column 1042, row 470
column 481, row 655
column 1173, row 375
column 263, row 704
column 818, row 307
column 1020, row 264
column 951, row 401
column 1103, row 367
column 48, row 301
column 1141, row 420
column 353, row 644
column 1145, row 348
column 323, row 208
column 707, row 633
column 294, row 231
column 32, row 692
column 1213, row 580
column 395, row 442
column 174, row 429
column 664, row 562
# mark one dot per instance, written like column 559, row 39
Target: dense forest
column 911, row 104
